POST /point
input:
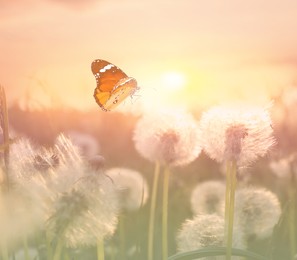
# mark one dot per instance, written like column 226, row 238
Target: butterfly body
column 113, row 85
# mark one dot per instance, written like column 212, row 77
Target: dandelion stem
column 227, row 196
column 25, row 246
column 292, row 215
column 4, row 251
column 230, row 192
column 100, row 249
column 48, row 245
column 165, row 213
column 122, row 236
column 5, row 130
column 66, row 255
column 59, row 248
column 152, row 211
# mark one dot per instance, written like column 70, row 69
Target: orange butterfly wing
column 113, row 85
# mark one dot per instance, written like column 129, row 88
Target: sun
column 173, row 80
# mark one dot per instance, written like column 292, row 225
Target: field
column 62, row 200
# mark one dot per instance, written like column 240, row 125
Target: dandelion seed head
column 22, row 154
column 233, row 141
column 132, row 186
column 242, row 133
column 78, row 202
column 204, row 231
column 257, row 211
column 170, row 137
column 67, row 151
column 207, row 198
column 66, row 208
column 93, row 213
column 283, row 168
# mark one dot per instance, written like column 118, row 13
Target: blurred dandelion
column 132, row 186
column 286, row 170
column 30, row 160
column 84, row 204
column 257, row 211
column 80, row 203
column 284, row 116
column 207, row 198
column 241, row 133
column 205, row 231
column 170, row 138
column 236, row 135
column 133, row 194
column 87, row 144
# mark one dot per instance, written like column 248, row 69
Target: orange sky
column 222, row 49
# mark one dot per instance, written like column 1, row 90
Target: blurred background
column 184, row 53
column 188, row 53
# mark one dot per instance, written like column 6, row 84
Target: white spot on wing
column 105, row 68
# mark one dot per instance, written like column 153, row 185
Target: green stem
column 231, row 209
column 5, row 130
column 292, row 217
column 4, row 251
column 122, row 237
column 59, row 248
column 25, row 246
column 66, row 255
column 100, row 249
column 112, row 253
column 165, row 214
column 227, row 196
column 48, row 245
column 152, row 212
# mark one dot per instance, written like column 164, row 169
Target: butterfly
column 113, row 85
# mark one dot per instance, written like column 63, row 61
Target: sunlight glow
column 173, row 80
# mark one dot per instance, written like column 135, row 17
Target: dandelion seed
column 132, row 186
column 204, row 231
column 257, row 211
column 208, row 197
column 67, row 151
column 23, row 154
column 241, row 133
column 169, row 137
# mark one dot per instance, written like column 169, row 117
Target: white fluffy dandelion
column 205, row 231
column 208, row 197
column 132, row 186
column 83, row 205
column 257, row 211
column 28, row 159
column 168, row 137
column 241, row 133
column 284, row 168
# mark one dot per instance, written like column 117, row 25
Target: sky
column 188, row 53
